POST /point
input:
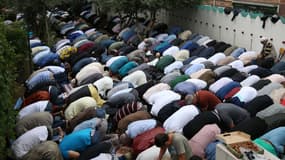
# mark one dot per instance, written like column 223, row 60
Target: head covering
column 275, row 18
column 228, row 10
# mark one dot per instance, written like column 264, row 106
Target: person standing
column 176, row 144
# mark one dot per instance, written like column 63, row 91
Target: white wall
column 220, row 27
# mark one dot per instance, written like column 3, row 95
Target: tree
column 18, row 40
column 35, row 12
column 132, row 8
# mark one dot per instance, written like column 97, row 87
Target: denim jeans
column 105, row 57
column 40, row 79
column 95, row 137
column 211, row 150
column 280, row 66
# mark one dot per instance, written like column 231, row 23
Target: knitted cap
column 275, row 18
column 228, row 10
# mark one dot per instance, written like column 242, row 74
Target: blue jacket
column 190, row 45
column 207, row 52
column 117, row 64
column 49, row 58
column 162, row 47
column 128, row 34
column 123, row 71
column 40, row 79
column 222, row 92
column 185, row 88
column 170, row 38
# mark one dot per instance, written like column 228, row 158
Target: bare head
column 190, row 99
column 125, row 139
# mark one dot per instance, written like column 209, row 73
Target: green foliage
column 135, row 6
column 120, row 6
column 35, row 14
column 75, row 6
column 181, row 3
column 7, row 85
column 5, row 3
column 17, row 37
column 132, row 8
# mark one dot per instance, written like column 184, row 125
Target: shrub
column 13, row 50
